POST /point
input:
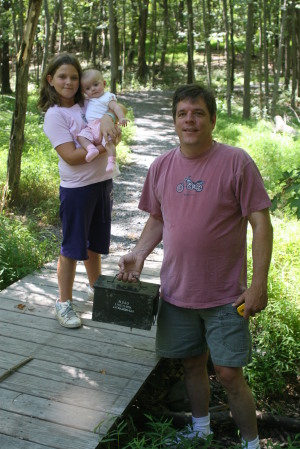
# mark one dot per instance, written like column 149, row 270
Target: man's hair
column 193, row 92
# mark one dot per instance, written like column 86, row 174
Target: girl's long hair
column 48, row 95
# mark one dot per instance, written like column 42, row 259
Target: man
column 200, row 197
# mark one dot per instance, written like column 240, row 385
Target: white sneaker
column 66, row 314
column 187, row 434
column 90, row 293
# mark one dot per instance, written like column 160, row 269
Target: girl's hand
column 109, row 129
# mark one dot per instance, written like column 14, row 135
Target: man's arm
column 256, row 296
column 131, row 265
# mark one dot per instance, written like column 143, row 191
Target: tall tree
column 47, row 35
column 190, row 44
column 206, row 26
column 142, row 65
column 279, row 58
column 113, row 46
column 295, row 77
column 166, row 28
column 232, row 45
column 19, row 114
column 247, row 61
column 4, row 24
column 228, row 58
column 266, row 53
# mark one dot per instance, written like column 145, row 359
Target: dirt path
column 154, row 135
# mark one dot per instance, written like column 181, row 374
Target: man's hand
column 255, row 299
column 131, row 266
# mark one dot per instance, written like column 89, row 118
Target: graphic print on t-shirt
column 188, row 184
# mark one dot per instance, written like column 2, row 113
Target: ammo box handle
column 139, row 283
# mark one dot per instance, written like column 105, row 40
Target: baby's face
column 93, row 87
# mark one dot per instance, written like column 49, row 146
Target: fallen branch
column 14, row 368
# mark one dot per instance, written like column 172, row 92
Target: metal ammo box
column 127, row 304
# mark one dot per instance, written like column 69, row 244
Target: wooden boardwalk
column 77, row 378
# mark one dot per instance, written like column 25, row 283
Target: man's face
column 194, row 125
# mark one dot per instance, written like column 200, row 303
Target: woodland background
column 241, row 48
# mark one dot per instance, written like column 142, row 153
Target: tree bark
column 165, row 35
column 247, row 61
column 142, row 65
column 206, row 25
column 113, row 46
column 294, row 57
column 279, row 59
column 266, row 54
column 5, row 83
column 228, row 59
column 19, row 114
column 47, row 36
column 190, row 36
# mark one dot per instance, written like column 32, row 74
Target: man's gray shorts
column 183, row 333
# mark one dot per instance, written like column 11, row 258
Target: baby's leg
column 89, row 147
column 111, row 151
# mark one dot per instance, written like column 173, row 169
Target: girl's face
column 66, row 83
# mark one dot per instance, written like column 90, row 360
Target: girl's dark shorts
column 184, row 333
column 85, row 213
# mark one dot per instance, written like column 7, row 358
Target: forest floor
column 164, row 392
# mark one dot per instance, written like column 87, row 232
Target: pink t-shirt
column 204, row 203
column 62, row 125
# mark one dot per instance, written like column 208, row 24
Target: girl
column 86, row 189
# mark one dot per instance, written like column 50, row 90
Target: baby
column 99, row 103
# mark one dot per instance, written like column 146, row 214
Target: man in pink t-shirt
column 200, row 197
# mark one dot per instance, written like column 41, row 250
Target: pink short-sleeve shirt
column 204, row 203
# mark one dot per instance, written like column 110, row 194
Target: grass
column 125, row 435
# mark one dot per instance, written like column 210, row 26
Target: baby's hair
column 48, row 95
column 88, row 73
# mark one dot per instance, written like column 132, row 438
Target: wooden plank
column 86, row 347
column 57, row 412
column 112, row 335
column 10, row 442
column 45, row 433
column 78, row 360
column 69, row 374
column 69, row 393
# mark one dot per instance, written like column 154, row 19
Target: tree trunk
column 294, row 58
column 206, row 25
column 153, row 41
column 54, row 28
column 19, row 115
column 266, row 54
column 47, row 35
column 228, row 59
column 232, row 46
column 5, row 84
column 190, row 36
column 113, row 46
column 62, row 25
column 166, row 26
column 142, row 65
column 247, row 62
column 279, row 59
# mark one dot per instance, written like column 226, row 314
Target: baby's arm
column 120, row 111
